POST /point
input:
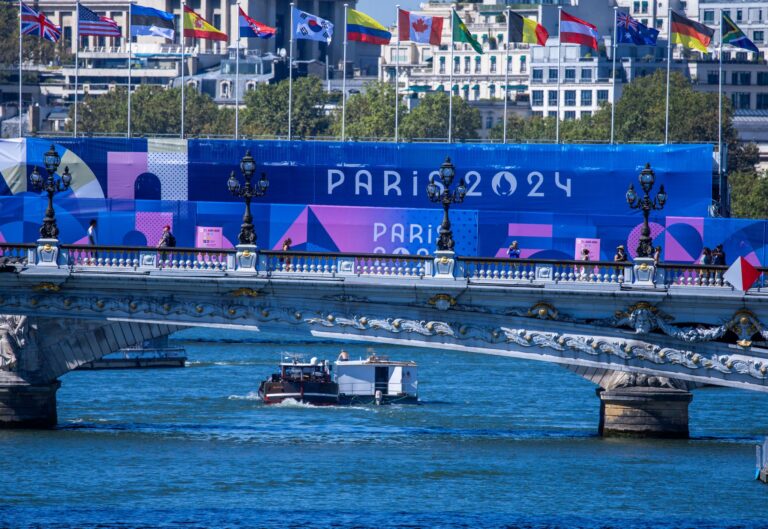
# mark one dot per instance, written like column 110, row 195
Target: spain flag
column 690, row 34
column 197, row 27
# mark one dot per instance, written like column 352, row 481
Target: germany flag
column 690, row 34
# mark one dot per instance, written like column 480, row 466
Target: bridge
column 645, row 334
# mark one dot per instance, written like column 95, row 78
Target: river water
column 494, row 443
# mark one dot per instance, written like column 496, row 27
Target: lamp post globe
column 51, row 185
column 645, row 204
column 446, row 197
column 247, row 191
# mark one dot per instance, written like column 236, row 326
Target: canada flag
column 419, row 28
column 741, row 274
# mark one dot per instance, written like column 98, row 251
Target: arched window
column 225, row 93
column 492, row 91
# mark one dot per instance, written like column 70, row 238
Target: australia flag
column 630, row 31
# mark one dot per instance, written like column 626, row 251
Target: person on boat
column 343, row 356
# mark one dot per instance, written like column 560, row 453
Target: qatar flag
column 419, row 28
column 741, row 274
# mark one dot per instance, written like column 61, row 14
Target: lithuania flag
column 690, row 34
column 199, row 28
column 523, row 29
column 462, row 34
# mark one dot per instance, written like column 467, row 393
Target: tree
column 370, row 114
column 749, row 194
column 429, row 119
column 154, row 110
column 266, row 112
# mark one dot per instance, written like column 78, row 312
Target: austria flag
column 418, row 28
column 741, row 274
column 576, row 31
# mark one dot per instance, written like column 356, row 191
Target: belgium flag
column 523, row 29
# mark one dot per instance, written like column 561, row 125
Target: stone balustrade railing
column 443, row 265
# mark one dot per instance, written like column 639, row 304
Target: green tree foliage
column 266, row 112
column 429, row 120
column 749, row 194
column 154, row 110
column 370, row 114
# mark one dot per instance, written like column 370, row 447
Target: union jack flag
column 34, row 23
column 626, row 21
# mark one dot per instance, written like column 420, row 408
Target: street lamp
column 247, row 192
column 51, row 160
column 646, row 205
column 446, row 198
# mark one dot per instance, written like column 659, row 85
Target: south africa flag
column 735, row 37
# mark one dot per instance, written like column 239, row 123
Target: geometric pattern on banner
column 297, row 232
column 168, row 160
column 13, row 172
column 683, row 239
column 151, row 224
column 122, row 170
column 634, row 238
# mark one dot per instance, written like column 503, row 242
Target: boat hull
column 316, row 393
column 366, row 400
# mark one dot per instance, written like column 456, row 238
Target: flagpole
column 290, row 76
column 613, row 96
column 237, row 77
column 669, row 66
column 720, row 121
column 130, row 47
column 344, row 80
column 397, row 73
column 183, row 16
column 506, row 78
column 77, row 61
column 450, row 87
column 559, row 59
column 21, row 53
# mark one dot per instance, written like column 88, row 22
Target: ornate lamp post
column 446, row 198
column 247, row 192
column 646, row 205
column 50, row 185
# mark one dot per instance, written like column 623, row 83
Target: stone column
column 28, row 405
column 641, row 411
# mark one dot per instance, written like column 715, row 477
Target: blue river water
column 494, row 443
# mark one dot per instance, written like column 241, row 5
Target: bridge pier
column 641, row 411
column 28, row 405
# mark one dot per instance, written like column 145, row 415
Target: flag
column 310, row 27
column 34, row 23
column 199, row 28
column 462, row 34
column 741, row 274
column 362, row 28
column 576, row 31
column 735, row 37
column 419, row 28
column 89, row 23
column 522, row 29
column 690, row 34
column 151, row 22
column 250, row 28
column 630, row 31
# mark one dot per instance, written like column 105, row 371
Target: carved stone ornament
column 244, row 292
column 543, row 311
column 46, row 287
column 442, row 301
column 13, row 337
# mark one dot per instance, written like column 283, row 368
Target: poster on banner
column 592, row 247
column 209, row 237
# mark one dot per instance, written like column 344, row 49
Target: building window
column 762, row 102
column 570, row 75
column 538, row 75
column 492, row 91
column 537, row 98
column 570, row 114
column 225, row 90
column 442, row 64
column 586, row 98
column 762, row 78
column 456, row 65
column 477, row 64
column 636, row 6
column 552, row 97
column 523, row 64
column 570, row 98
column 586, row 75
column 659, row 23
column 553, row 75
column 537, row 113
column 466, row 64
column 740, row 78
column 739, row 15
column 709, row 16
column 552, row 113
column 644, row 6
column 602, row 96
column 727, row 12
column 493, row 64
column 758, row 36
column 489, row 121
column 586, row 113
column 740, row 100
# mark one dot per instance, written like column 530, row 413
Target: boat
column 305, row 382
column 373, row 380
column 150, row 354
column 376, row 380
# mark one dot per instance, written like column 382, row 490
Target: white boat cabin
column 376, row 373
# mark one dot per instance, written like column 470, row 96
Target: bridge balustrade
column 17, row 253
column 528, row 270
column 130, row 257
column 693, row 275
column 318, row 263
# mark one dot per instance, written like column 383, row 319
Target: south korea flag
column 309, row 27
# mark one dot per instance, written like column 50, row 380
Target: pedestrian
column 657, row 255
column 167, row 240
column 585, row 254
column 706, row 256
column 92, row 233
column 513, row 252
column 621, row 255
column 718, row 256
column 287, row 244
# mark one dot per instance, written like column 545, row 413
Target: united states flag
column 89, row 23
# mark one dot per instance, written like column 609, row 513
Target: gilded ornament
column 396, row 324
column 744, row 343
column 100, row 304
column 442, row 301
column 232, row 312
column 643, row 267
column 199, row 309
column 246, row 253
column 331, row 318
column 47, row 248
column 444, row 260
column 662, row 354
column 463, row 329
column 46, row 287
column 430, row 326
column 561, row 340
column 363, row 321
column 495, row 334
column 297, row 315
column 695, row 358
column 132, row 305
column 167, row 307
column 244, row 292
column 763, row 370
column 543, row 311
column 264, row 313
column 729, row 364
column 595, row 345
column 67, row 302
